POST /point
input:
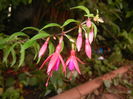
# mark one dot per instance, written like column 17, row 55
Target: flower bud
column 87, row 48
column 79, row 39
column 91, row 36
column 88, row 23
column 43, row 48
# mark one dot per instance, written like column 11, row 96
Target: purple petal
column 76, row 65
column 71, row 65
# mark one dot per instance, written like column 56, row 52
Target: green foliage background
column 21, row 48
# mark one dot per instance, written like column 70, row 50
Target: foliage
column 21, row 48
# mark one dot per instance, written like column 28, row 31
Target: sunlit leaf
column 62, row 45
column 28, row 44
column 50, row 25
column 22, row 56
column 13, row 57
column 7, row 52
column 90, row 15
column 30, row 28
column 82, row 8
column 43, row 34
column 95, row 29
column 16, row 35
column 51, row 48
column 69, row 21
column 70, row 38
column 36, row 48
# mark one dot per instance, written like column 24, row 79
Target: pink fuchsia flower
column 43, row 48
column 55, row 60
column 87, row 48
column 91, row 36
column 72, row 62
column 88, row 23
column 79, row 39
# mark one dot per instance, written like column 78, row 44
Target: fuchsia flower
column 72, row 62
column 43, row 48
column 79, row 39
column 87, row 48
column 88, row 23
column 91, row 35
column 55, row 59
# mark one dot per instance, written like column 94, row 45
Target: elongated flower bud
column 79, row 39
column 87, row 48
column 43, row 48
column 88, row 23
column 59, row 47
column 91, row 36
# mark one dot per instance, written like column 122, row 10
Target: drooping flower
column 91, row 36
column 43, row 48
column 54, row 61
column 87, row 48
column 88, row 23
column 72, row 62
column 79, row 39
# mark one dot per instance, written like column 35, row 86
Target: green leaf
column 28, row 44
column 42, row 34
column 36, row 48
column 16, row 35
column 7, row 52
column 70, row 38
column 30, row 28
column 51, row 48
column 22, row 56
column 3, row 41
column 38, row 60
column 90, row 15
column 2, row 46
column 13, row 57
column 95, row 29
column 82, row 8
column 62, row 45
column 69, row 21
column 50, row 25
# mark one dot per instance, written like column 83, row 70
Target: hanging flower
column 79, row 39
column 88, row 23
column 55, row 60
column 87, row 48
column 72, row 62
column 43, row 48
column 91, row 36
